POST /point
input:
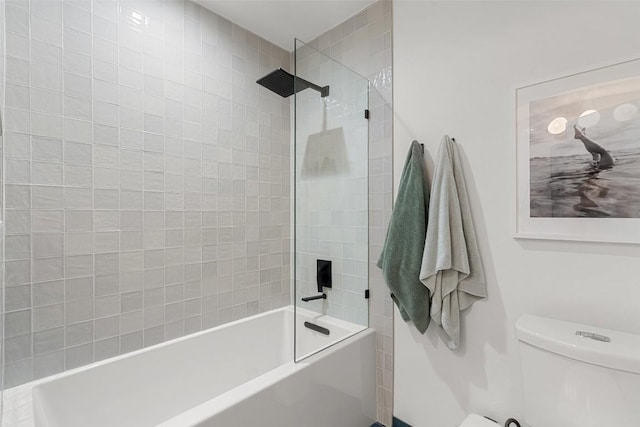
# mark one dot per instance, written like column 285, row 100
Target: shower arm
column 324, row 91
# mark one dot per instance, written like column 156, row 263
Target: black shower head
column 278, row 81
column 282, row 83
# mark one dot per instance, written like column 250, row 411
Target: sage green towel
column 401, row 255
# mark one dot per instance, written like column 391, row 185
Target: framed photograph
column 578, row 156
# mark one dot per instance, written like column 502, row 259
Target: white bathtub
column 239, row 374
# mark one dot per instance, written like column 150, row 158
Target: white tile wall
column 3, row 100
column 147, row 191
column 363, row 43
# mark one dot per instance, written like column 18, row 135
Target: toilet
column 575, row 376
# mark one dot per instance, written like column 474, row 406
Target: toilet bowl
column 474, row 420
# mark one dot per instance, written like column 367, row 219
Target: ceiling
column 280, row 21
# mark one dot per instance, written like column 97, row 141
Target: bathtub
column 238, row 374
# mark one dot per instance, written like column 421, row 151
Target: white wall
column 456, row 65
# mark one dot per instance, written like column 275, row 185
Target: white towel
column 451, row 264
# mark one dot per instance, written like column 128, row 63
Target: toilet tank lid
column 622, row 352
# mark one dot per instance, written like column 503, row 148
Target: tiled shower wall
column 2, row 91
column 147, row 179
column 363, row 43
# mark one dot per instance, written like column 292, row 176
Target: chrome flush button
column 593, row 336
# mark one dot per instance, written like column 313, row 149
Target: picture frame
column 578, row 156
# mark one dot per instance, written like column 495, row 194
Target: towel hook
column 422, row 145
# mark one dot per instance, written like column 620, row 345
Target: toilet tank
column 578, row 376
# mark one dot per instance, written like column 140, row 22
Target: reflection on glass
column 625, row 112
column 557, row 126
column 589, row 118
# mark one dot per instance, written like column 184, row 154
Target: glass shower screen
column 331, row 201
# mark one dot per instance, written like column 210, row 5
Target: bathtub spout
column 321, row 296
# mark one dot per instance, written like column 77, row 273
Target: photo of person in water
column 584, row 152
